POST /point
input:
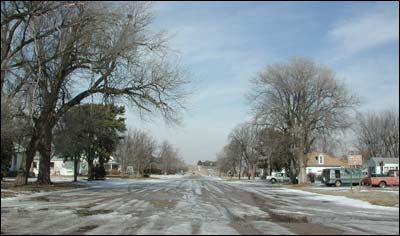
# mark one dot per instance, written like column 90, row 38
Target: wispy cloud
column 365, row 31
column 375, row 79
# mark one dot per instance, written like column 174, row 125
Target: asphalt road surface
column 190, row 205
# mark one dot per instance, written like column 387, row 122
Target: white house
column 58, row 166
column 379, row 165
column 112, row 167
column 318, row 161
column 16, row 160
column 19, row 154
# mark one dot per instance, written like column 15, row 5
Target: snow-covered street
column 192, row 205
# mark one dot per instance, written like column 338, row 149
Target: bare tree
column 378, row 134
column 97, row 48
column 228, row 160
column 137, row 149
column 301, row 100
column 17, row 34
column 170, row 161
column 246, row 139
column 167, row 156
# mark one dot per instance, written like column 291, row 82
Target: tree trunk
column 90, row 169
column 292, row 171
column 45, row 157
column 269, row 166
column 253, row 172
column 22, row 177
column 75, row 169
column 240, row 167
column 302, row 175
column 41, row 138
column 303, row 166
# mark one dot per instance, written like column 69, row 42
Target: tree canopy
column 91, row 131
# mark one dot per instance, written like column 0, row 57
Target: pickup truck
column 390, row 179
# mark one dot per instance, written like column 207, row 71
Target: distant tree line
column 137, row 149
column 206, row 163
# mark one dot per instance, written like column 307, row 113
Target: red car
column 390, row 179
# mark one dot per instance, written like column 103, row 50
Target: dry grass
column 375, row 197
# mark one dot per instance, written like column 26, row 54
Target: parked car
column 340, row 176
column 278, row 177
column 389, row 179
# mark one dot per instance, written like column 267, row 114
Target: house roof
column 328, row 160
column 391, row 160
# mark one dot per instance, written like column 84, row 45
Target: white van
column 278, row 177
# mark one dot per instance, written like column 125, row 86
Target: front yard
column 8, row 188
column 373, row 195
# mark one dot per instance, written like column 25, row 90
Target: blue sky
column 225, row 44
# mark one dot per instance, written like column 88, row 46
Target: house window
column 35, row 164
column 51, row 164
column 320, row 159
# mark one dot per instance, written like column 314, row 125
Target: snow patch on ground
column 271, row 228
column 180, row 228
column 217, row 228
column 341, row 200
column 177, row 176
column 211, row 177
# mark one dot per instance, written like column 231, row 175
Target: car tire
column 382, row 184
column 338, row 183
column 273, row 181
